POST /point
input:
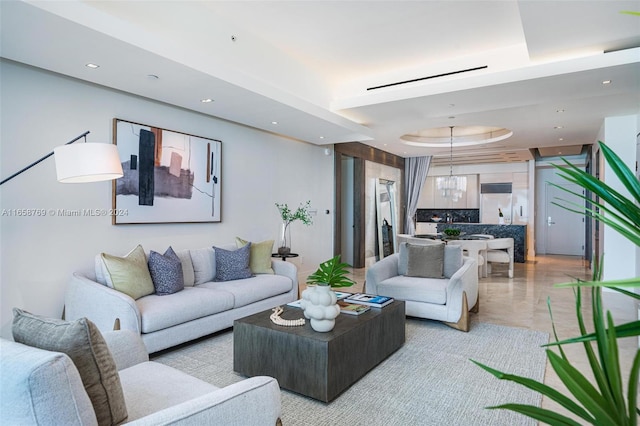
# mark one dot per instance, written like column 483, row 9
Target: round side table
column 284, row 257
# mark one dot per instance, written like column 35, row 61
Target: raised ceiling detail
column 462, row 136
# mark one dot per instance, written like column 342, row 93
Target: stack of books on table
column 340, row 295
column 352, row 308
column 369, row 300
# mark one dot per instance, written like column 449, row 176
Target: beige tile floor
column 522, row 302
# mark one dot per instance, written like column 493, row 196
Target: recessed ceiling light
column 206, row 101
column 321, row 137
column 558, row 127
column 451, row 117
column 606, row 82
column 559, row 110
column 274, row 122
column 560, row 139
column 93, row 66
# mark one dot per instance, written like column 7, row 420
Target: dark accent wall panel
column 146, row 163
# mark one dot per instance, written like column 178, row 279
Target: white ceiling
column 308, row 65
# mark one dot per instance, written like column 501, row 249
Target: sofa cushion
column 232, row 264
column 452, row 260
column 82, row 342
column 187, row 267
column 425, row 261
column 260, row 257
column 253, row 289
column 129, row 274
column 166, row 272
column 160, row 312
column 428, row 290
column 150, row 387
column 204, row 265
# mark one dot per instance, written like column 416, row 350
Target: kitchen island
column 517, row 232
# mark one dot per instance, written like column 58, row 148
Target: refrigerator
column 496, row 197
column 489, row 205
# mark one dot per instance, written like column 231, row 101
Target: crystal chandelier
column 452, row 187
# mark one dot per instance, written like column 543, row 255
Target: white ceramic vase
column 320, row 307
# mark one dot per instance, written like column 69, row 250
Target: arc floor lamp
column 85, row 162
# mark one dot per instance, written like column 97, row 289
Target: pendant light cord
column 451, row 153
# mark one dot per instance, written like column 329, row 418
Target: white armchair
column 40, row 387
column 448, row 299
column 500, row 250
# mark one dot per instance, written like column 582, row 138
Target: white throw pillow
column 204, row 265
column 187, row 267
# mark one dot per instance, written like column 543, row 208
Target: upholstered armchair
column 500, row 250
column 41, row 387
column 445, row 296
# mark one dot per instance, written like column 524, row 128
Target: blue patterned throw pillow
column 232, row 265
column 166, row 272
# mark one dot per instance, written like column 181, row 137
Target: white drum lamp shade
column 87, row 162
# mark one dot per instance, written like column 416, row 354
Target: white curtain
column 415, row 173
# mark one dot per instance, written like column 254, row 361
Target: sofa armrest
column 100, row 304
column 380, row 271
column 127, row 348
column 464, row 280
column 251, row 402
column 286, row 269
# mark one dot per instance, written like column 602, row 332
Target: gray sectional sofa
column 203, row 307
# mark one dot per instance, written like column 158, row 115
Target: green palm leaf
column 541, row 414
column 548, row 391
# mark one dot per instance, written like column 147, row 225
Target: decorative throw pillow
column 260, row 256
column 452, row 259
column 232, row 265
column 425, row 261
column 130, row 274
column 166, row 272
column 187, row 267
column 82, row 342
column 204, row 265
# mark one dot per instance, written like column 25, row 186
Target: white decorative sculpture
column 320, row 307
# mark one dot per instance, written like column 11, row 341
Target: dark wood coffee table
column 318, row 365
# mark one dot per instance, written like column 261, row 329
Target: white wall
column 40, row 110
column 620, row 256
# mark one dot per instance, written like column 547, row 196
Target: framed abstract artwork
column 169, row 177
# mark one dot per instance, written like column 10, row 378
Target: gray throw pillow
column 82, row 342
column 452, row 260
column 166, row 272
column 402, row 259
column 232, row 264
column 425, row 261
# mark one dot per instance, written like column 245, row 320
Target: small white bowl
column 436, row 219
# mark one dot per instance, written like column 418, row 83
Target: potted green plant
column 289, row 216
column 605, row 402
column 451, row 234
column 319, row 302
column 332, row 273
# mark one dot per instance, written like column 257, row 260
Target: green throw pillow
column 260, row 255
column 425, row 261
column 130, row 274
column 82, row 342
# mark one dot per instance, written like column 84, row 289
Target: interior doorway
column 557, row 231
column 564, row 229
